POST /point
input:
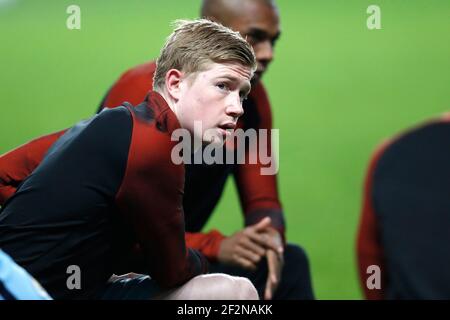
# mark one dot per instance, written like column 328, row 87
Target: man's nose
column 264, row 51
column 235, row 108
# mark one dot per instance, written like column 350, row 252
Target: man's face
column 259, row 23
column 213, row 98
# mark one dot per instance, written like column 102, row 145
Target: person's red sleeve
column 257, row 182
column 16, row 165
column 207, row 243
column 150, row 199
column 132, row 86
column 369, row 248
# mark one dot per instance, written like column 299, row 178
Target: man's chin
column 215, row 142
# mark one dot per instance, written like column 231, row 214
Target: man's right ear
column 173, row 81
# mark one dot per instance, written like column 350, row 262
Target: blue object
column 16, row 283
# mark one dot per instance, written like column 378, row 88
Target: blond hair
column 196, row 43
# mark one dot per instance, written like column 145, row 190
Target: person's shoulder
column 116, row 114
column 441, row 121
column 109, row 123
column 390, row 143
column 145, row 70
column 132, row 85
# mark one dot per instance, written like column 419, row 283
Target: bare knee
column 226, row 287
column 219, row 286
column 246, row 289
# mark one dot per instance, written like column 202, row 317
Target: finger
column 274, row 275
column 273, row 266
column 274, row 237
column 268, row 290
column 264, row 240
column 247, row 254
column 257, row 249
column 279, row 263
column 261, row 225
column 244, row 263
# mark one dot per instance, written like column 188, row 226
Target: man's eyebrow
column 262, row 34
column 276, row 36
column 246, row 87
column 228, row 77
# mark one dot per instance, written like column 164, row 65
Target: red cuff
column 207, row 243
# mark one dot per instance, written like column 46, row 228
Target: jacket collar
column 165, row 118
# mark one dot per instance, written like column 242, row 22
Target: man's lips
column 226, row 129
column 228, row 125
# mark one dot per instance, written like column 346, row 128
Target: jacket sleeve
column 132, row 86
column 257, row 181
column 368, row 247
column 16, row 165
column 207, row 243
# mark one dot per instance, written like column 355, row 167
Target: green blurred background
column 337, row 90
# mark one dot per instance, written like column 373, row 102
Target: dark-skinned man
column 259, row 251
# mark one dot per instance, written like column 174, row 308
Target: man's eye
column 222, row 86
column 273, row 42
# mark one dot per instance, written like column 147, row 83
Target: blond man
column 107, row 192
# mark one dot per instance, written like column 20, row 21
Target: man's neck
column 170, row 102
